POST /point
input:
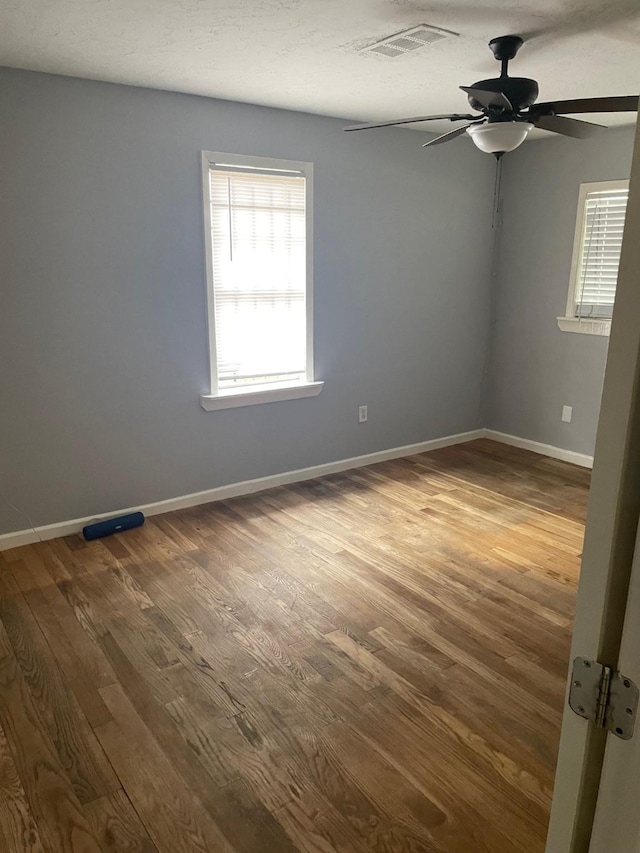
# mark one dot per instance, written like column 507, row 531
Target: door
column 617, row 818
column 610, row 543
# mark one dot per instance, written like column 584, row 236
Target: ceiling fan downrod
column 504, row 48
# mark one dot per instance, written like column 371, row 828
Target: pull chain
column 496, row 192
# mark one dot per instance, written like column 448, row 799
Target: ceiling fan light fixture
column 500, row 136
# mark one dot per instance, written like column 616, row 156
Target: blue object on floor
column 112, row 525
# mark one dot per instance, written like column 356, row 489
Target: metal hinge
column 607, row 698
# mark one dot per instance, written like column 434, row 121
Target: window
column 258, row 234
column 596, row 256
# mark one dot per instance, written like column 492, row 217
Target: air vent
column 408, row 40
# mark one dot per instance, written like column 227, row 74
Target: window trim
column 569, row 322
column 254, row 394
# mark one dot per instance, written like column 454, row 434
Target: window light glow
column 258, row 234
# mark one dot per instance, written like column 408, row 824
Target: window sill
column 259, row 394
column 584, row 326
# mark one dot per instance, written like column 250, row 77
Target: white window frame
column 229, row 398
column 571, row 323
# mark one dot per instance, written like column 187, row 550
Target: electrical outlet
column 567, row 414
column 362, row 414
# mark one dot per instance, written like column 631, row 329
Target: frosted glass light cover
column 500, row 136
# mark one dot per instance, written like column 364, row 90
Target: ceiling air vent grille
column 408, row 40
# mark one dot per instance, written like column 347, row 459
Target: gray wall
column 103, row 345
column 535, row 368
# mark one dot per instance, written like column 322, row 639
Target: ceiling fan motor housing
column 521, row 91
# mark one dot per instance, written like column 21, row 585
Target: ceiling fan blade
column 449, row 117
column 487, row 98
column 567, row 126
column 616, row 104
column 447, row 136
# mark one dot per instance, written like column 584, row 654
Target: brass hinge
column 605, row 697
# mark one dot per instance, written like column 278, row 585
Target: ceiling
column 304, row 54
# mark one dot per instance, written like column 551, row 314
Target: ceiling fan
column 508, row 111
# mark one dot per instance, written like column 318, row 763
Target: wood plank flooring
column 371, row 661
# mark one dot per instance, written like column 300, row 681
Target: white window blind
column 597, row 271
column 258, row 236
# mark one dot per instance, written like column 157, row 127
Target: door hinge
column 604, row 696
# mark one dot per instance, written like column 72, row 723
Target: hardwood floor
column 371, row 661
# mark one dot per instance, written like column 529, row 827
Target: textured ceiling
column 303, row 54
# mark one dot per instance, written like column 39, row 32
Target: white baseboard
column 538, row 447
column 20, row 537
column 233, row 490
column 247, row 487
